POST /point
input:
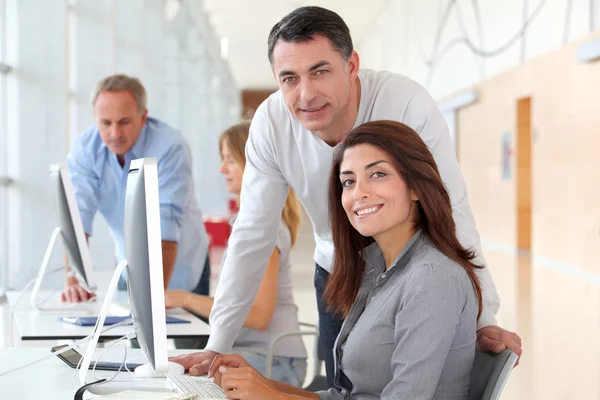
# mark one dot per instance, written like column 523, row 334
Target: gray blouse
column 411, row 331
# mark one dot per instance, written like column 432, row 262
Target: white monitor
column 70, row 229
column 143, row 263
column 143, row 252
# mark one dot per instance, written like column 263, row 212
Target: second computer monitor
column 143, row 253
column 71, row 227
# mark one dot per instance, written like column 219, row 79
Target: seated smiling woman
column 406, row 286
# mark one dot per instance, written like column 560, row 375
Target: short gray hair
column 304, row 23
column 118, row 82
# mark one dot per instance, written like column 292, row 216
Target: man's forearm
column 70, row 278
column 169, row 255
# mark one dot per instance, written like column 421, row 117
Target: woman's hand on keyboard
column 196, row 363
column 240, row 381
column 225, row 361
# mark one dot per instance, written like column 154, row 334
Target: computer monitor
column 143, row 252
column 145, row 285
column 70, row 229
column 143, row 263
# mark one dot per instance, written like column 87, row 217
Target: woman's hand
column 240, row 381
column 247, row 384
column 176, row 298
column 226, row 361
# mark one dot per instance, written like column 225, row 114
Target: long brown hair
column 415, row 163
column 236, row 137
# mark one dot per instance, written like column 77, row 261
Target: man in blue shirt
column 99, row 164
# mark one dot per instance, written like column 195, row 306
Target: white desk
column 31, row 324
column 50, row 299
column 50, row 379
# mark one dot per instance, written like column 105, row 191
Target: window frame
column 5, row 180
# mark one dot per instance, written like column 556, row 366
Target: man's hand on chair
column 495, row 339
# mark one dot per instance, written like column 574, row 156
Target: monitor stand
column 78, row 307
column 91, row 347
column 148, row 384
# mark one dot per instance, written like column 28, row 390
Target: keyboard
column 201, row 386
column 74, row 309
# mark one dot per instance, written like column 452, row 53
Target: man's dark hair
column 302, row 24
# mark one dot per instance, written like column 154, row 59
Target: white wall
column 403, row 38
column 59, row 49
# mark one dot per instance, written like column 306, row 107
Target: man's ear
column 353, row 64
column 144, row 117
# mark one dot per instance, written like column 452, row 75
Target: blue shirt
column 99, row 182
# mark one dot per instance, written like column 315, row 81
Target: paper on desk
column 139, row 395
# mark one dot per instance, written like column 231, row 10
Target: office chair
column 318, row 382
column 490, row 373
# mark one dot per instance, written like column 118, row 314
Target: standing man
column 99, row 165
column 322, row 95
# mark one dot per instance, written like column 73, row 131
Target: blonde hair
column 118, row 82
column 236, row 137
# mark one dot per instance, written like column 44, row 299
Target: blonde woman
column 273, row 311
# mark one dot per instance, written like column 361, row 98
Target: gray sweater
column 285, row 315
column 281, row 154
column 411, row 332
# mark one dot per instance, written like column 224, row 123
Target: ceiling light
column 224, row 47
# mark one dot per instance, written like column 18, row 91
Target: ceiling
column 246, row 25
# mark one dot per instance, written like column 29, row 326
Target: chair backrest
column 490, row 373
column 318, row 382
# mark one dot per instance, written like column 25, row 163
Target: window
column 450, row 107
column 5, row 180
